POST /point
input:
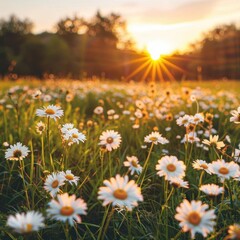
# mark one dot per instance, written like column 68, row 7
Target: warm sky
column 168, row 24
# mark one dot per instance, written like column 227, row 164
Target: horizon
column 168, row 27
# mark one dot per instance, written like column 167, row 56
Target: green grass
column 154, row 217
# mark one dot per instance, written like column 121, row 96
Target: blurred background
column 120, row 39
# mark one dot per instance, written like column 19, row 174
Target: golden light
column 157, row 49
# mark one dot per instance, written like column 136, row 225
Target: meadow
column 112, row 160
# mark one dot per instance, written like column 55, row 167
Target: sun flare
column 157, row 49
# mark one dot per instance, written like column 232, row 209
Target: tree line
column 102, row 47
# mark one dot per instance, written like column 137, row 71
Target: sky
column 160, row 25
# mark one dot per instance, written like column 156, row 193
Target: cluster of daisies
column 120, row 191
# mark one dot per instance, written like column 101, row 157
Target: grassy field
column 133, row 111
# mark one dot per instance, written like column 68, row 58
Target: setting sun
column 156, row 49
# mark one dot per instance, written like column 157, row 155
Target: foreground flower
column 69, row 177
column 213, row 141
column 235, row 116
column 110, row 139
column 170, row 167
column 155, row 137
column 53, row 183
column 211, row 189
column 132, row 163
column 179, row 182
column 67, row 208
column 201, row 165
column 16, row 152
column 234, row 232
column 223, row 169
column 26, row 222
column 120, row 192
column 51, row 111
column 193, row 217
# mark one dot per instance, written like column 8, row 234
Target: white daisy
column 170, row 167
column 213, row 141
column 69, row 177
column 110, row 139
column 155, row 137
column 120, row 192
column 16, row 152
column 53, row 183
column 75, row 136
column 66, row 127
column 193, row 217
column 197, row 118
column 98, row 110
column 67, row 208
column 235, row 116
column 201, row 165
column 211, row 189
column 132, row 163
column 50, row 111
column 183, row 120
column 40, row 127
column 224, row 170
column 26, row 222
column 179, row 182
column 190, row 137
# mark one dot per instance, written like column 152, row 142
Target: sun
column 157, row 49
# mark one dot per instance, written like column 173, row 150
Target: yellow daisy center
column 41, row 128
column 69, row 177
column 153, row 139
column 120, row 194
column 29, row 227
column 49, row 111
column 74, row 135
column 194, row 218
column 223, row 170
column 204, row 166
column 17, row 153
column 109, row 140
column 171, row 167
column 134, row 163
column 55, row 184
column 66, row 211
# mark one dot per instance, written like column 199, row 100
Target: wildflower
column 132, row 163
column 16, row 152
column 120, row 192
column 37, row 94
column 234, row 232
column 98, row 110
column 26, row 222
column 69, row 177
column 170, row 167
column 179, row 182
column 5, row 144
column 40, row 127
column 155, row 137
column 110, row 139
column 53, row 183
column 213, row 141
column 237, row 155
column 190, row 137
column 66, row 127
column 67, row 208
column 235, row 116
column 201, row 165
column 224, row 169
column 197, row 118
column 211, row 189
column 193, row 217
column 71, row 134
column 51, row 111
column 208, row 118
column 183, row 120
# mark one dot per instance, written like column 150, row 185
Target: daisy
column 67, row 208
column 213, row 141
column 193, row 217
column 98, row 110
column 201, row 165
column 170, row 167
column 120, row 192
column 235, row 116
column 234, row 232
column 155, row 137
column 190, row 137
column 40, row 127
column 69, row 177
column 16, row 152
column 183, row 121
column 178, row 182
column 75, row 136
column 224, row 170
column 211, row 189
column 26, row 222
column 51, row 111
column 197, row 118
column 66, row 127
column 110, row 139
column 53, row 182
column 132, row 163
column 237, row 155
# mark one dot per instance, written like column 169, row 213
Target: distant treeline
column 102, row 47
